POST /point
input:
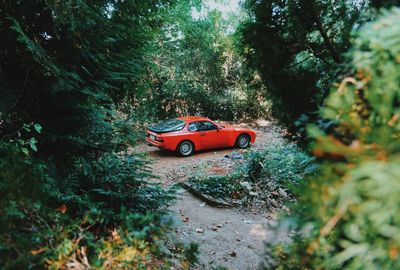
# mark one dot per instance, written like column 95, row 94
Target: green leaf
column 26, row 127
column 32, row 144
column 25, row 151
column 38, row 128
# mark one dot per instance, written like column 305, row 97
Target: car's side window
column 206, row 126
column 192, row 126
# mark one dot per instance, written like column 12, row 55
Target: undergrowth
column 265, row 179
column 100, row 220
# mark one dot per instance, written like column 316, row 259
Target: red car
column 192, row 133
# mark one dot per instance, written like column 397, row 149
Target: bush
column 266, row 179
column 347, row 216
column 135, row 244
column 102, row 187
column 47, row 222
column 284, row 162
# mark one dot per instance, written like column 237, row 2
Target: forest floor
column 228, row 237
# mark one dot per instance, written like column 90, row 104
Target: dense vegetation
column 79, row 79
column 70, row 192
column 198, row 70
column 347, row 215
column 298, row 47
column 264, row 181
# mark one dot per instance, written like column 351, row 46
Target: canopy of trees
column 198, row 70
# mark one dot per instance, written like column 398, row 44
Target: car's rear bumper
column 155, row 143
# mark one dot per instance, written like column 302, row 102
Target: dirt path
column 226, row 237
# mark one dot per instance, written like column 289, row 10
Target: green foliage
column 66, row 179
column 198, row 71
column 93, row 200
column 264, row 173
column 225, row 188
column 114, row 180
column 347, row 215
column 283, row 161
column 133, row 245
column 76, row 60
column 297, row 47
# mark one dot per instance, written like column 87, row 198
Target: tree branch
column 328, row 43
column 20, row 92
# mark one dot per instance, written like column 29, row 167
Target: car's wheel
column 243, row 141
column 185, row 148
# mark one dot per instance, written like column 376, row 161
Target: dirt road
column 226, row 237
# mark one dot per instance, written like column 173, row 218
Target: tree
column 65, row 67
column 297, row 46
column 197, row 70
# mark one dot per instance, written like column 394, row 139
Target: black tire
column 185, row 148
column 243, row 141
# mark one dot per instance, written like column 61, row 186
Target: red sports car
column 192, row 133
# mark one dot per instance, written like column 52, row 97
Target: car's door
column 210, row 136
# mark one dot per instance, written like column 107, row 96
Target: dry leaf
column 38, row 251
column 235, row 194
column 62, row 209
column 115, row 236
column 232, row 253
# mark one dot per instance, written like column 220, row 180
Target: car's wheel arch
column 243, row 133
column 185, row 140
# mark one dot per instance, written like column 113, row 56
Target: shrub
column 347, row 216
column 58, row 223
column 262, row 179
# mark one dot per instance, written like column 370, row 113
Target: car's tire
column 243, row 141
column 185, row 148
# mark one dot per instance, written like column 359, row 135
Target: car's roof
column 193, row 118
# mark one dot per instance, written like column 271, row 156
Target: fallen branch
column 207, row 199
